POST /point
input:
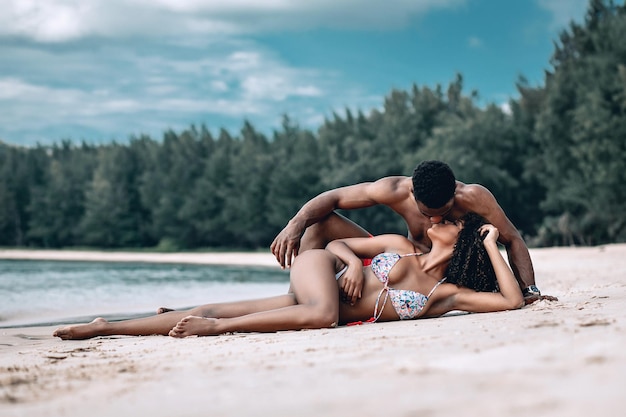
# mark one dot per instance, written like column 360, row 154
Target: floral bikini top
column 408, row 304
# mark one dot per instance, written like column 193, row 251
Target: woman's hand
column 490, row 231
column 351, row 284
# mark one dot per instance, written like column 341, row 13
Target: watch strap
column 531, row 290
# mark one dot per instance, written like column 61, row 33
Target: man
column 432, row 195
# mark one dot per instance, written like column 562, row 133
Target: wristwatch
column 531, row 290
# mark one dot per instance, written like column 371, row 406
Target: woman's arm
column 368, row 247
column 351, row 251
column 351, row 283
column 510, row 296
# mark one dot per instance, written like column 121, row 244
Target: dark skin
column 316, row 224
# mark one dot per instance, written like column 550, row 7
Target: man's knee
column 333, row 226
column 315, row 237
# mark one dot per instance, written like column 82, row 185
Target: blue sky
column 102, row 70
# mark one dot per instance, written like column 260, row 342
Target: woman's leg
column 316, row 293
column 237, row 308
column 163, row 323
column 332, row 227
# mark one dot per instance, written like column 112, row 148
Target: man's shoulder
column 394, row 183
column 393, row 179
column 392, row 189
column 470, row 195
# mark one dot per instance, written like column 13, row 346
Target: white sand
column 565, row 358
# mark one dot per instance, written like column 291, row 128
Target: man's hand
column 286, row 245
column 535, row 297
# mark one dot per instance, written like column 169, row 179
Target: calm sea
column 44, row 293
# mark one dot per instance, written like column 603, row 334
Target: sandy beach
column 564, row 358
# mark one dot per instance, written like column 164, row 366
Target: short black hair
column 470, row 265
column 433, row 183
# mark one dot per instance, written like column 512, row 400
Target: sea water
column 53, row 292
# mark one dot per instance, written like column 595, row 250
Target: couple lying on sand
column 448, row 261
column 464, row 270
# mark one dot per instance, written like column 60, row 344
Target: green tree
column 14, row 194
column 112, row 216
column 245, row 205
column 204, row 210
column 298, row 167
column 58, row 200
column 581, row 130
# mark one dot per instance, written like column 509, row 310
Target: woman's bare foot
column 82, row 331
column 162, row 310
column 195, row 326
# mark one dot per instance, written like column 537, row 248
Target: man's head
column 433, row 188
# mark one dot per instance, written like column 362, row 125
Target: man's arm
column 384, row 191
column 480, row 200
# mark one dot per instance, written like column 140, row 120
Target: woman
column 400, row 284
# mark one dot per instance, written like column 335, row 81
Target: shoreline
column 562, row 358
column 239, row 258
column 201, row 258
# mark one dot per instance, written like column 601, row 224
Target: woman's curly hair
column 470, row 265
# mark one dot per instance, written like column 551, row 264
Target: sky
column 106, row 70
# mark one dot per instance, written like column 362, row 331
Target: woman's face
column 446, row 232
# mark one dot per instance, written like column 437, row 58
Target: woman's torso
column 409, row 285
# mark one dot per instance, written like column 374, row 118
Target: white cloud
column 116, row 89
column 474, row 42
column 308, row 91
column 563, row 11
column 219, row 86
column 43, row 20
column 139, row 65
column 66, row 20
column 506, row 108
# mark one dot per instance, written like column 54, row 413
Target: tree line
column 555, row 160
